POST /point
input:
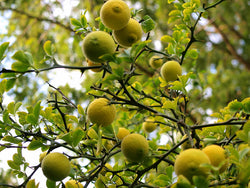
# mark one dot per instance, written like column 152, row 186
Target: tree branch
column 56, row 22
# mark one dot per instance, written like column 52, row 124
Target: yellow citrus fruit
column 187, row 144
column 128, row 35
column 56, row 166
column 135, row 147
column 171, row 70
column 96, row 44
column 90, row 64
column 122, row 132
column 216, row 155
column 73, row 184
column 189, row 163
column 155, row 61
column 100, row 112
column 149, row 125
column 115, row 14
column 41, row 156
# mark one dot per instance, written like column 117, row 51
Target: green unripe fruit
column 171, row 70
column 135, row 147
column 96, row 44
column 128, row 35
column 55, row 166
column 155, row 61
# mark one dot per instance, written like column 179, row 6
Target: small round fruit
column 149, row 125
column 100, row 112
column 90, row 64
column 115, row 14
column 42, row 155
column 171, row 70
column 128, row 35
column 216, row 155
column 56, row 166
column 155, row 61
column 96, row 44
column 73, row 184
column 122, row 132
column 188, row 163
column 135, row 147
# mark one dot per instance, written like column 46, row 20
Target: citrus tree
column 163, row 98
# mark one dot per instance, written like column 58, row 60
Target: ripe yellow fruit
column 90, row 64
column 73, row 184
column 216, row 155
column 149, row 125
column 56, row 166
column 122, row 132
column 100, row 112
column 189, row 163
column 135, row 147
column 155, row 61
column 115, row 14
column 41, row 156
column 128, row 35
column 96, row 44
column 171, row 70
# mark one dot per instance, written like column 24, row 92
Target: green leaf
column 3, row 86
column 50, row 184
column 83, row 21
column 170, row 1
column 22, row 57
column 246, row 105
column 235, row 106
column 17, row 159
column 11, row 107
column 10, row 83
column 167, row 38
column 148, row 24
column 35, row 144
column 75, row 22
column 80, row 109
column 11, row 139
column 13, row 165
column 37, row 109
column 162, row 180
column 77, row 136
column 47, row 46
column 3, row 48
column 31, row 119
column 19, row 66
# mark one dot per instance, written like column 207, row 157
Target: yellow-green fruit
column 216, row 155
column 149, row 125
column 115, row 14
column 56, row 166
column 171, row 70
column 73, row 184
column 155, row 61
column 100, row 112
column 189, row 163
column 135, row 147
column 128, row 35
column 122, row 132
column 41, row 156
column 96, row 44
column 90, row 64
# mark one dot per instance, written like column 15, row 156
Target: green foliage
column 43, row 116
